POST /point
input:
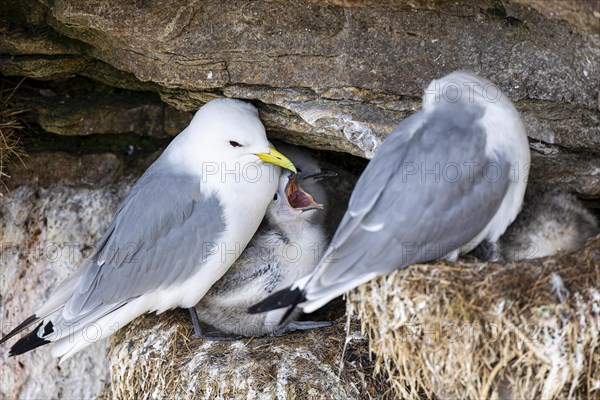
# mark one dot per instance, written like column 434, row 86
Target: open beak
column 275, row 157
column 298, row 198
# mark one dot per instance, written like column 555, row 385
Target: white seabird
column 448, row 177
column 182, row 225
column 284, row 249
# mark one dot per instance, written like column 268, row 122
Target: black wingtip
column 27, row 343
column 283, row 298
column 30, row 320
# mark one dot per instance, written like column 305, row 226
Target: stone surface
column 82, row 107
column 18, row 41
column 210, row 45
column 84, row 113
column 557, row 124
column 578, row 173
column 329, row 76
column 45, row 234
column 584, row 14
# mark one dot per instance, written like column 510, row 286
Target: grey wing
column 160, row 235
column 410, row 205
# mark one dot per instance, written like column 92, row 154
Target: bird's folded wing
column 160, row 235
column 430, row 189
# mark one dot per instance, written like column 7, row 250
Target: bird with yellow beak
column 182, row 225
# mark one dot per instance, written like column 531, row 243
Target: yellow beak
column 275, row 157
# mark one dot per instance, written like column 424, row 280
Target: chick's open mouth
column 298, row 198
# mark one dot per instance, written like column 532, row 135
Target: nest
column 156, row 357
column 473, row 330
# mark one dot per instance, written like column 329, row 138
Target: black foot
column 302, row 326
column 219, row 337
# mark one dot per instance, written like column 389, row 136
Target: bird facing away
column 448, row 177
column 182, row 225
column 284, row 249
column 551, row 220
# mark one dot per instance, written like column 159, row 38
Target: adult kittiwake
column 448, row 177
column 285, row 248
column 182, row 225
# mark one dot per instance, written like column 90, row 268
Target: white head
column 225, row 134
column 500, row 119
column 464, row 87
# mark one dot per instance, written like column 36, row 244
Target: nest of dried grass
column 472, row 330
column 156, row 357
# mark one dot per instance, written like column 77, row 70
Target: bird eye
column 233, row 143
column 275, row 197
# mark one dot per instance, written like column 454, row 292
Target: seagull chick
column 285, row 248
column 448, row 177
column 182, row 225
column 552, row 220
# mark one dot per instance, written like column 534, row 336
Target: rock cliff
column 109, row 83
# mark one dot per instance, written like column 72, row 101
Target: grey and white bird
column 552, row 220
column 182, row 225
column 285, row 248
column 448, row 177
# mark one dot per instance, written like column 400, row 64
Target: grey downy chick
column 551, row 220
column 286, row 247
column 310, row 174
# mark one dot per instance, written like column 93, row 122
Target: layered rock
column 323, row 74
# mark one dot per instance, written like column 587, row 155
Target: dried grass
column 11, row 150
column 487, row 331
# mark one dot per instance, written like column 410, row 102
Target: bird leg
column 302, row 326
column 199, row 334
column 196, row 322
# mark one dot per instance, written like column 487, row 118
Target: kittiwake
column 182, row 225
column 448, row 177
